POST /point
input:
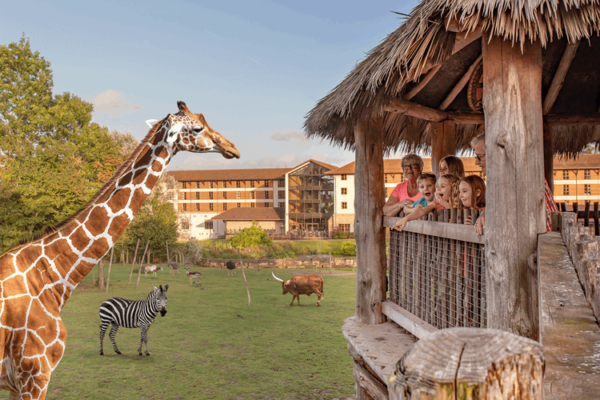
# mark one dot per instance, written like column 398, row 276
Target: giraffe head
column 190, row 132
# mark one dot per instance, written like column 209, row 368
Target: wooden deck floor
column 570, row 333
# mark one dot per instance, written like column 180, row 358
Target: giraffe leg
column 103, row 329
column 34, row 388
column 112, row 335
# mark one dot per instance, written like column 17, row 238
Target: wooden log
column 469, row 363
column 368, row 224
column 133, row 263
column 422, row 83
column 101, row 273
column 109, row 268
column 141, row 263
column 515, row 191
column 370, row 385
column 459, row 85
column 559, row 76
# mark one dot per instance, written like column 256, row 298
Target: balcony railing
column 437, row 271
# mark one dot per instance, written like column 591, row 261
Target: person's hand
column 400, row 225
column 404, row 203
column 418, row 206
column 442, row 202
column 468, row 221
column 480, row 223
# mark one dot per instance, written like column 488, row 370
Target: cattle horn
column 280, row 280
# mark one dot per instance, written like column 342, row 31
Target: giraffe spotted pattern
column 38, row 276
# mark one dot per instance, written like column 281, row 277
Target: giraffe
column 38, row 275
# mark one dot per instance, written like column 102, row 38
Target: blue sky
column 253, row 68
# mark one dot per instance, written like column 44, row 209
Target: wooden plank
column 515, row 190
column 422, row 83
column 459, row 85
column 559, row 76
column 464, row 39
column 368, row 227
column 443, row 142
column 451, row 231
column 369, row 383
column 548, row 157
column 407, row 320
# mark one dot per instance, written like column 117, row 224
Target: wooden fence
column 437, row 273
column 589, row 216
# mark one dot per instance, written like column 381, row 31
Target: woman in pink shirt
column 407, row 192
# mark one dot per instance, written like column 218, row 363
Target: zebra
column 132, row 314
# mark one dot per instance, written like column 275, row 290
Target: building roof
column 252, row 214
column 432, row 39
column 392, row 166
column 230, row 174
column 584, row 161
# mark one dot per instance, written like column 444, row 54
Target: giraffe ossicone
column 38, row 275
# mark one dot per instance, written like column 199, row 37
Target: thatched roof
column 426, row 39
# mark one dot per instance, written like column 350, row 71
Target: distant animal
column 193, row 275
column 132, row 314
column 307, row 285
column 230, row 267
column 152, row 268
column 174, row 266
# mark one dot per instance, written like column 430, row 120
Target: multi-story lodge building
column 319, row 196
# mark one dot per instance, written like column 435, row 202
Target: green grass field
column 211, row 344
column 300, row 246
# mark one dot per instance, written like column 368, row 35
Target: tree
column 53, row 157
column 253, row 236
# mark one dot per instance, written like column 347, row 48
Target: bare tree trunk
column 109, row 267
column 140, row 268
column 133, row 263
column 101, row 274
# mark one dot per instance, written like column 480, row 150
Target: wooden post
column 168, row 260
column 133, row 263
column 109, row 267
column 586, row 215
column 101, row 274
column 548, row 158
column 596, row 219
column 244, row 275
column 142, row 263
column 443, row 142
column 368, row 222
column 515, row 212
column 470, row 363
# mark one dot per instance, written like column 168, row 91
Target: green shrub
column 284, row 253
column 349, row 249
column 253, row 236
column 343, row 235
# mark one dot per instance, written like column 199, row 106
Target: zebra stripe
column 132, row 314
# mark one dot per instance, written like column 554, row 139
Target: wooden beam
column 464, row 39
column 413, row 324
column 548, row 157
column 438, row 229
column 424, row 81
column 460, row 85
column 411, row 109
column 572, row 119
column 443, row 142
column 515, row 211
column 368, row 224
column 559, row 76
column 369, row 383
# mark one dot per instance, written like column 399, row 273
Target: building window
column 251, row 183
column 565, row 190
column 224, row 206
column 587, row 174
column 281, row 205
column 210, row 195
column 197, row 195
column 197, row 206
column 266, row 195
column 344, row 190
column 208, row 225
column 267, row 205
column 238, row 195
column 184, row 207
column 251, row 205
column 223, row 184
column 211, row 207
column 225, row 195
column 238, row 184
column 211, row 185
column 197, row 185
column 185, row 225
column 253, row 195
column 281, row 182
column 565, row 174
column 239, row 205
column 344, row 205
column 385, row 178
column 587, row 189
column 266, row 183
column 281, row 194
column 344, row 227
column 184, row 185
column 184, row 195
column 344, row 177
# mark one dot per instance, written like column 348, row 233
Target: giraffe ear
column 151, row 122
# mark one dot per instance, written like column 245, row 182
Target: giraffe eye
column 198, row 130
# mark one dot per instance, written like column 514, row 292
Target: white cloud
column 114, row 103
column 286, row 137
column 213, row 161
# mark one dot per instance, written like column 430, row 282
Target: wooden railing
column 436, row 274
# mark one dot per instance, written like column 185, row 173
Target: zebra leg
column 112, row 334
column 103, row 329
column 146, row 343
column 144, row 339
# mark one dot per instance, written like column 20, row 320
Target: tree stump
column 470, row 364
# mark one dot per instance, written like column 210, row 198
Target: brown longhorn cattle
column 307, row 285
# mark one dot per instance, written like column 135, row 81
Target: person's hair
column 413, row 158
column 455, row 165
column 476, row 183
column 454, row 198
column 424, row 177
column 476, row 140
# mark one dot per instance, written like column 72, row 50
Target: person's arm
column 392, row 207
column 416, row 214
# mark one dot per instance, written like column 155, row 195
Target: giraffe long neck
column 65, row 257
